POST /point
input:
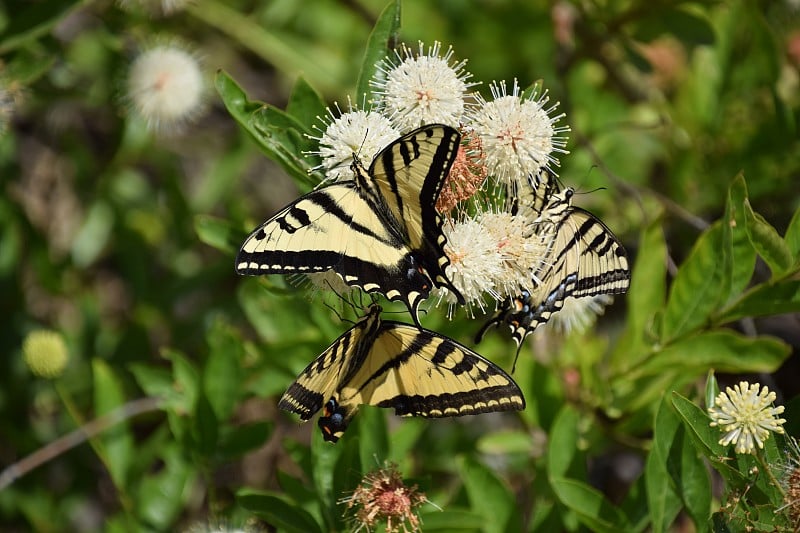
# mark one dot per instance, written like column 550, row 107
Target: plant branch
column 88, row 431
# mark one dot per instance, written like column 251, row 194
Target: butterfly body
column 389, row 364
column 380, row 231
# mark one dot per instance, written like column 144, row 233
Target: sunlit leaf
column 489, row 497
column 592, row 508
column 696, row 289
column 767, row 242
column 117, row 440
column 278, row 512
column 380, row 43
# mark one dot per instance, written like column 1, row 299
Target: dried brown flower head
column 382, row 495
column 466, row 175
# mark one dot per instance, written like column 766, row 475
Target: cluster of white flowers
column 506, row 140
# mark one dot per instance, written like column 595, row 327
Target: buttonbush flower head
column 426, row 88
column 466, row 175
column 491, row 253
column 382, row 495
column 166, row 87
column 519, row 134
column 364, row 133
column 45, row 353
column 578, row 314
column 746, row 416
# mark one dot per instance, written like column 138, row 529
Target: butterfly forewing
column 379, row 232
column 410, row 174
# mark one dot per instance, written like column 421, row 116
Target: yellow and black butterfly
column 388, row 364
column 379, row 232
column 583, row 258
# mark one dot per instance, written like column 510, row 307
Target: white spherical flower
column 746, row 416
column 166, row 87
column 364, row 133
column 475, row 262
column 518, row 133
column 491, row 254
column 578, row 314
column 415, row 90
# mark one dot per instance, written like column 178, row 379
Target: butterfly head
column 334, row 421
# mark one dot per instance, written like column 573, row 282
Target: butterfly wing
column 585, row 259
column 420, row 373
column 338, row 227
column 409, row 174
column 320, row 380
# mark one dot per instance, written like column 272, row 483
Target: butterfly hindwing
column 388, row 364
column 379, row 232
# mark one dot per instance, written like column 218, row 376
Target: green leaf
column 305, row 104
column 489, row 497
column 706, row 439
column 769, row 245
column 686, row 26
column 278, row 512
column 645, row 297
column 278, row 135
column 723, row 350
column 223, row 375
column 373, row 435
column 218, row 233
column 696, row 289
column 29, row 22
column 162, row 496
column 206, row 426
column 792, row 236
column 711, row 390
column 663, row 503
column 771, row 298
column 117, row 440
column 592, row 508
column 379, row 45
column 663, row 499
column 242, row 439
column 451, row 520
column 563, row 459
column 742, row 253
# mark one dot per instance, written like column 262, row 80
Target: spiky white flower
column 364, row 133
column 519, row 134
column 746, row 415
column 578, row 314
column 491, row 254
column 420, row 89
column 166, row 87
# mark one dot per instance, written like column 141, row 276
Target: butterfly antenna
column 344, row 300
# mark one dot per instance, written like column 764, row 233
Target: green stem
column 762, row 460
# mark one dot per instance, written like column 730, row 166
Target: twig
column 76, row 437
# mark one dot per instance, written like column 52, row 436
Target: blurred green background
column 102, row 228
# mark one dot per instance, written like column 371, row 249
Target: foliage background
column 124, row 242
